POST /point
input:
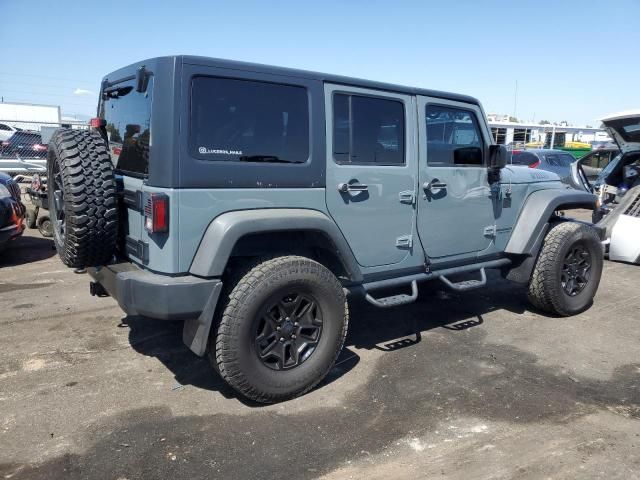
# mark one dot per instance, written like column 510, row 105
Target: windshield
column 127, row 114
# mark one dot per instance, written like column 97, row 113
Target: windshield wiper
column 263, row 158
column 116, row 92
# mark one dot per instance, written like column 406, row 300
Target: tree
column 545, row 122
column 513, row 119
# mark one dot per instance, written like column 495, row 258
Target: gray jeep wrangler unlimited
column 250, row 201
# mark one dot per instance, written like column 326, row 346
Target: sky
column 571, row 60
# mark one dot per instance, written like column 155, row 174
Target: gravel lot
column 454, row 386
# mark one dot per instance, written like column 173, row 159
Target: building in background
column 28, row 116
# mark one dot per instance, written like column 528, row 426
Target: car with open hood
column 623, row 172
column 618, row 188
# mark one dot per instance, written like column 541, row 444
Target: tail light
column 97, row 122
column 535, row 165
column 5, row 143
column 156, row 213
column 39, row 148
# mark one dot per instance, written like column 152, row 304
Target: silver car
column 556, row 161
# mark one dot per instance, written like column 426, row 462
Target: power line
column 45, row 76
column 38, row 84
column 44, row 94
column 63, row 102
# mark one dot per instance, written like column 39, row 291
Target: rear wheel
column 567, row 273
column 82, row 198
column 45, row 227
column 281, row 329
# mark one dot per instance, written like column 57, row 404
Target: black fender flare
column 224, row 231
column 535, row 215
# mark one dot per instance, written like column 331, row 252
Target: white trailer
column 27, row 116
column 36, row 124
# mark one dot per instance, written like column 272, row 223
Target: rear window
column 248, row 121
column 127, row 114
column 560, row 160
column 523, row 158
column 25, row 138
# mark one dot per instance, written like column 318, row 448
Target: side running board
column 467, row 284
column 395, row 300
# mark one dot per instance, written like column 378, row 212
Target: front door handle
column 434, row 184
column 354, row 187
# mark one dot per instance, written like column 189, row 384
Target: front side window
column 453, row 137
column 368, row 130
column 248, row 121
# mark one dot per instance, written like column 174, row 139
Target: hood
column 624, row 128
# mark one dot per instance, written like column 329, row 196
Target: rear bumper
column 9, row 233
column 140, row 292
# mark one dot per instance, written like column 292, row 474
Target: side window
column 605, row 158
column 368, row 130
column 4, row 127
column 248, row 121
column 552, row 160
column 591, row 160
column 453, row 137
column 566, row 160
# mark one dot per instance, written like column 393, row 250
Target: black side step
column 467, row 284
column 395, row 300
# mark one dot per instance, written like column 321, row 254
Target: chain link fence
column 23, row 144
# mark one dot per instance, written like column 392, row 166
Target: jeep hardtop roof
column 289, row 72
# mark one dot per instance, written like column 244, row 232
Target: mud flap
column 195, row 333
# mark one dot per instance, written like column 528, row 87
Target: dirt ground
column 459, row 386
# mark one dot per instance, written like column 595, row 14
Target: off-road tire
column 232, row 349
column 90, row 203
column 45, row 227
column 30, row 217
column 545, row 287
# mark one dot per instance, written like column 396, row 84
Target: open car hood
column 624, row 128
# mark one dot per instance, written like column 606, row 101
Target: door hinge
column 408, row 197
column 490, row 231
column 405, row 241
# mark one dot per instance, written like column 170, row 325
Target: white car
column 6, row 131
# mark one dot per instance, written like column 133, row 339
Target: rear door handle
column 434, row 184
column 354, row 187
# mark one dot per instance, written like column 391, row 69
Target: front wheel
column 567, row 273
column 281, row 329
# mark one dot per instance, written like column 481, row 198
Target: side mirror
column 497, row 156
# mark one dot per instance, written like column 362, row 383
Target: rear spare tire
column 82, row 198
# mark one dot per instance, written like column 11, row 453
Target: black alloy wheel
column 288, row 331
column 576, row 269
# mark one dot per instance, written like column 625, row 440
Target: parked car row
column 24, row 144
